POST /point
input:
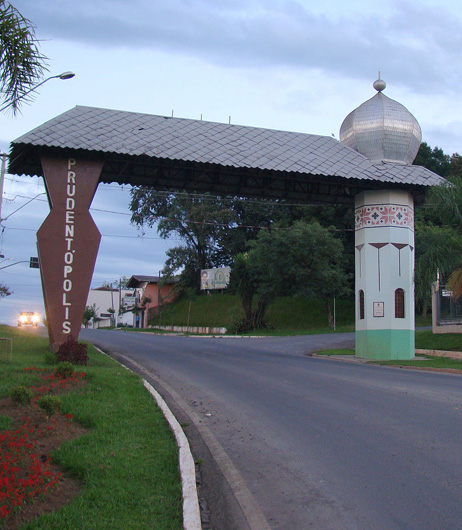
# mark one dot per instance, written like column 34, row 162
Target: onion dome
column 382, row 129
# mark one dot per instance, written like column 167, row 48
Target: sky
column 295, row 65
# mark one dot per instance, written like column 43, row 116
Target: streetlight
column 64, row 76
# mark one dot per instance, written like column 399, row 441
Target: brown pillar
column 68, row 243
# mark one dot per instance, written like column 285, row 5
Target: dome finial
column 379, row 85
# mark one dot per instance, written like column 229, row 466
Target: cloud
column 416, row 45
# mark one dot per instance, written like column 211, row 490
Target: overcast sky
column 295, row 65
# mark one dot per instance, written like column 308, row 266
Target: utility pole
column 2, row 180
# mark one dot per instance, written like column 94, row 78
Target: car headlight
column 35, row 319
column 22, row 319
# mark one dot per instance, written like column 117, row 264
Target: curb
column 441, row 353
column 191, row 512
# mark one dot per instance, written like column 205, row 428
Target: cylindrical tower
column 383, row 130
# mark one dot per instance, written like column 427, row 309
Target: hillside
column 286, row 314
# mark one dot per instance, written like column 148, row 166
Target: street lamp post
column 64, row 76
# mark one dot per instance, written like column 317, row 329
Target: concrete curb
column 441, row 353
column 191, row 512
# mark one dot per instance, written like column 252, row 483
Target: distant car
column 28, row 318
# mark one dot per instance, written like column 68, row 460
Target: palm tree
column 21, row 63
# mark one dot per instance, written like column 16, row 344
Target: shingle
column 129, row 133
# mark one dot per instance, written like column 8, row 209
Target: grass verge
column 127, row 462
column 424, row 340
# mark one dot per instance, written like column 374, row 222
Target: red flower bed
column 24, row 476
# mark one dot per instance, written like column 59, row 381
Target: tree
column 438, row 226
column 301, row 260
column 440, row 247
column 197, row 220
column 433, row 159
column 21, row 63
column 246, row 285
column 4, row 291
column 89, row 314
column 111, row 311
column 212, row 229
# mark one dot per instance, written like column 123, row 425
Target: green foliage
column 215, row 229
column 200, row 221
column 437, row 248
column 6, row 422
column 72, row 351
column 303, row 259
column 50, row 358
column 22, row 394
column 50, row 404
column 64, row 370
column 88, row 314
column 21, row 63
column 439, row 227
column 4, row 291
column 433, row 159
column 246, row 287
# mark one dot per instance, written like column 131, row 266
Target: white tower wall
column 384, row 241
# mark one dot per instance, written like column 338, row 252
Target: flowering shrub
column 22, row 475
column 72, row 351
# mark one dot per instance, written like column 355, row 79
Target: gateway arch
column 84, row 146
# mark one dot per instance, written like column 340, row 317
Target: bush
column 64, row 370
column 22, row 394
column 50, row 358
column 50, row 404
column 72, row 351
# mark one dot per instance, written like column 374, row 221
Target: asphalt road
column 321, row 444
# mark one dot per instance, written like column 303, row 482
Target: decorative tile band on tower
column 384, row 215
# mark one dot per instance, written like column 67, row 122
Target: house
column 153, row 295
column 113, row 306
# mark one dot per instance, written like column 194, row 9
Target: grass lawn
column 127, row 462
column 425, row 340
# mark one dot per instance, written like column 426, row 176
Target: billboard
column 215, row 278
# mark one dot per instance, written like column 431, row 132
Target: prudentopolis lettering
column 69, row 233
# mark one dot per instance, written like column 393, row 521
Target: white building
column 113, row 306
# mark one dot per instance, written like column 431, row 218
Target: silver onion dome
column 382, row 129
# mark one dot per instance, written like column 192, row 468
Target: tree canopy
column 214, row 230
column 302, row 259
column 438, row 225
column 4, row 291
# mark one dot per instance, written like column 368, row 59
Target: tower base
column 385, row 344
